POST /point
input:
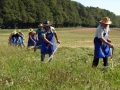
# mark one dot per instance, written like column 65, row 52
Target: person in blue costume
column 22, row 37
column 19, row 40
column 11, row 39
column 15, row 39
column 32, row 38
column 48, row 45
column 102, row 43
column 39, row 34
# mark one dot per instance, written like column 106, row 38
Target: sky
column 111, row 5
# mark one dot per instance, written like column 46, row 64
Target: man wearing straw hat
column 102, row 44
column 49, row 45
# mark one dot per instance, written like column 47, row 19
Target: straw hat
column 106, row 20
column 30, row 30
column 14, row 32
column 19, row 30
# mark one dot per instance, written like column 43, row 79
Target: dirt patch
column 80, row 30
column 86, row 30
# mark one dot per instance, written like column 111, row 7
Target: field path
column 87, row 30
column 80, row 30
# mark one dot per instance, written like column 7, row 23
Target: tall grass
column 70, row 69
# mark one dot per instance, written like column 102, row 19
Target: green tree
column 43, row 11
column 61, row 13
column 29, row 10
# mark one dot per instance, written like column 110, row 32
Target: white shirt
column 100, row 32
column 52, row 29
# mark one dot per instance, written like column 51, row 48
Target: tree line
column 61, row 13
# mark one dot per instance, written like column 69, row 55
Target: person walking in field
column 15, row 39
column 31, row 38
column 48, row 45
column 18, row 40
column 102, row 43
column 39, row 34
column 11, row 39
column 22, row 36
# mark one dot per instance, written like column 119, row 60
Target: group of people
column 17, row 39
column 42, row 39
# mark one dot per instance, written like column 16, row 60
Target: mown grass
column 70, row 69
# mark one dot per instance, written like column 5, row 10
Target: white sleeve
column 44, row 35
column 99, row 32
column 53, row 29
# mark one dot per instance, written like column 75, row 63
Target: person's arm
column 100, row 36
column 23, row 35
column 109, row 40
column 31, row 37
column 10, row 37
column 108, row 43
column 55, row 34
column 36, row 35
column 56, row 38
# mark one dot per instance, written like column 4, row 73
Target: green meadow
column 70, row 69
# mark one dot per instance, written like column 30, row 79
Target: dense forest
column 61, row 13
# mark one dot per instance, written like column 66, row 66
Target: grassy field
column 70, row 69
